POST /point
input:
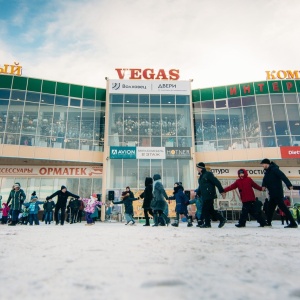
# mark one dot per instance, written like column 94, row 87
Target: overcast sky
column 213, row 42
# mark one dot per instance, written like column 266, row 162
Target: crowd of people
column 155, row 204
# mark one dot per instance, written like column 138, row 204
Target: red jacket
column 245, row 186
column 287, row 202
column 5, row 210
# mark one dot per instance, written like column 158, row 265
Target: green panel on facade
column 101, row 94
column 34, row 85
column 275, row 87
column 19, row 83
column 89, row 92
column 5, row 81
column 76, row 91
column 220, row 92
column 289, row 86
column 261, row 87
column 206, row 94
column 195, row 96
column 247, row 89
column 233, row 91
column 48, row 87
column 62, row 89
column 297, row 85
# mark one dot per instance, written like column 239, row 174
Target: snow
column 113, row 261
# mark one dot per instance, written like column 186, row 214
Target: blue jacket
column 33, row 206
column 181, row 200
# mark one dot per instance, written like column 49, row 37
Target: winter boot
column 12, row 223
column 155, row 220
column 175, row 224
column 222, row 222
column 200, row 222
column 190, row 221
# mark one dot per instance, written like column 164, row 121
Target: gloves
column 47, row 198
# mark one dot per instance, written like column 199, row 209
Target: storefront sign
column 290, row 152
column 254, row 172
column 53, row 171
column 283, row 74
column 148, row 74
column 149, row 87
column 122, row 152
column 150, row 152
column 14, row 69
column 183, row 152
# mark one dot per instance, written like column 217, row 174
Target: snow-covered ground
column 113, row 261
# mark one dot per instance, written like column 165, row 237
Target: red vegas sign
column 148, row 74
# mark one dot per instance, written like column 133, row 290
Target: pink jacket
column 90, row 204
column 5, row 210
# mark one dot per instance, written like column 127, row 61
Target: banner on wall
column 290, row 152
column 51, row 171
column 150, row 152
column 149, row 87
column 253, row 172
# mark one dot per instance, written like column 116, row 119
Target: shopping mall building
column 101, row 140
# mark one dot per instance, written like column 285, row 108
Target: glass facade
column 149, row 120
column 251, row 115
column 44, row 113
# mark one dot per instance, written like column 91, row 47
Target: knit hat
column 63, row 187
column 156, row 177
column 200, row 165
column 33, row 196
column 17, row 184
column 265, row 161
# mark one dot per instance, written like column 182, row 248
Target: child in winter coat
column 90, row 206
column 181, row 204
column 48, row 210
column 33, row 207
column 245, row 185
column 126, row 199
column 5, row 210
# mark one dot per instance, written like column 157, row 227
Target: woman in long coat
column 158, row 203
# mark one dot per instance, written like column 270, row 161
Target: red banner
column 290, row 152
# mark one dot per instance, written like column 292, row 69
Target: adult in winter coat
column 158, row 203
column 181, row 204
column 283, row 217
column 61, row 203
column 48, row 210
column 126, row 199
column 273, row 182
column 245, row 185
column 207, row 190
column 147, row 196
column 16, row 197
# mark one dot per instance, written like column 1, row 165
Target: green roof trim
column 247, row 89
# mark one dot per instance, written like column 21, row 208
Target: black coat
column 127, row 201
column 62, row 197
column 207, row 185
column 182, row 201
column 48, row 206
column 273, row 181
column 147, row 196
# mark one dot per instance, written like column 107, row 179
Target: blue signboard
column 122, row 152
